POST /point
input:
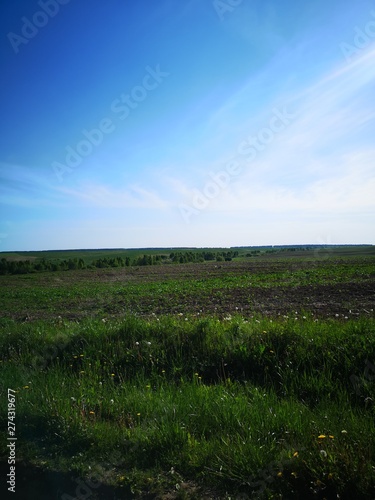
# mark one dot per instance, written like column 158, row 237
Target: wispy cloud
column 101, row 196
column 323, row 161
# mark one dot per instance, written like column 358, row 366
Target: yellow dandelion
column 26, row 387
column 331, row 437
column 279, row 474
column 321, row 436
column 92, row 412
column 138, row 414
column 163, row 371
column 81, row 355
column 112, row 374
column 295, row 454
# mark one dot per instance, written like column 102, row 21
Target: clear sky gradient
column 165, row 123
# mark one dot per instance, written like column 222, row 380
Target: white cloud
column 322, row 163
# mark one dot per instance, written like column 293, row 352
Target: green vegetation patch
column 260, row 407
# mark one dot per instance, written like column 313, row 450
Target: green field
column 249, row 378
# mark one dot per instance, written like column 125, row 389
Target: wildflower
column 92, row 413
column 148, row 386
column 137, row 343
column 294, row 474
column 75, row 357
column 344, row 431
column 321, row 436
column 331, row 437
column 148, row 343
column 26, row 387
column 112, row 374
column 111, row 401
column 330, row 475
column 81, row 355
column 82, row 371
column 163, row 371
column 138, row 414
column 279, row 474
column 295, row 454
column 323, row 453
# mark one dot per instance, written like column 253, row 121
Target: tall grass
column 263, row 406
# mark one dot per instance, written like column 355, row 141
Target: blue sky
column 164, row 123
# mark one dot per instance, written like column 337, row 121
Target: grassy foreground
column 182, row 407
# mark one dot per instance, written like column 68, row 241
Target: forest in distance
column 59, row 260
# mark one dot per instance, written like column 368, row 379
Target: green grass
column 236, row 405
column 252, row 377
column 106, row 292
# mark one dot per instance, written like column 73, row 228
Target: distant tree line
column 183, row 257
column 27, row 266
